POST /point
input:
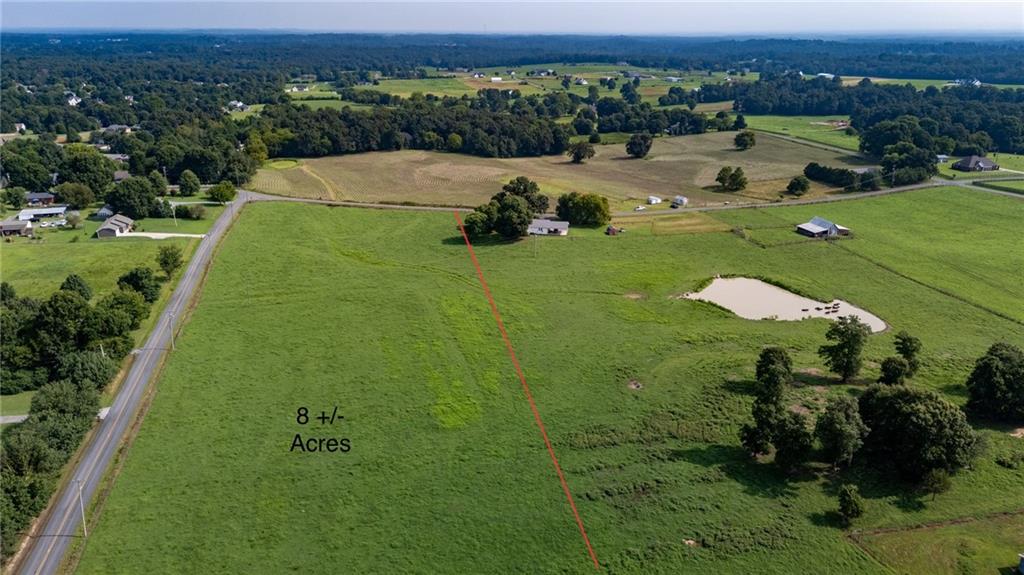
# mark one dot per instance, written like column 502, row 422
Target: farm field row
column 642, row 394
column 822, row 129
column 681, row 165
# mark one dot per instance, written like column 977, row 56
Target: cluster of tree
column 844, row 178
column 580, row 152
column 583, row 209
column 293, row 131
column 40, row 336
column 914, row 432
column 509, row 212
column 616, row 115
column 958, row 120
column 731, row 179
column 639, row 145
column 798, row 186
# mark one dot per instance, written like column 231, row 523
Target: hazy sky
column 822, row 17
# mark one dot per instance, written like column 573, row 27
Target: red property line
column 526, row 389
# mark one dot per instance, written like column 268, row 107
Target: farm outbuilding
column 33, row 214
column 14, row 227
column 652, row 200
column 680, row 201
column 115, row 226
column 821, row 228
column 975, row 164
column 548, row 228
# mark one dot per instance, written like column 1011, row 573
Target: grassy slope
column 686, row 164
column 805, row 127
column 380, row 314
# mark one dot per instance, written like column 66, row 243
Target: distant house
column 14, row 227
column 115, row 226
column 827, row 76
column 72, row 100
column 33, row 214
column 121, row 175
column 130, row 100
column 673, row 79
column 941, row 158
column 20, row 127
column 548, row 228
column 653, row 200
column 237, row 106
column 680, row 202
column 478, row 75
column 967, row 82
column 299, row 88
column 104, row 212
column 38, row 198
column 821, row 228
column 975, row 164
column 117, row 129
column 495, row 79
column 117, row 157
column 581, row 82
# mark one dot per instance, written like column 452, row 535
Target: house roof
column 14, row 225
column 121, row 175
column 972, row 161
column 38, row 196
column 813, row 228
column 30, row 213
column 549, row 224
column 119, row 220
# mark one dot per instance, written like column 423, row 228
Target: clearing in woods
column 380, row 313
column 682, row 165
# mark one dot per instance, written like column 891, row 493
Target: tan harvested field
column 682, row 165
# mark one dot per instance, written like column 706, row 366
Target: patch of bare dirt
column 634, row 295
column 634, row 384
column 691, row 543
column 797, row 408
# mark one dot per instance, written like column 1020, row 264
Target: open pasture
column 821, row 129
column 642, row 392
column 681, row 165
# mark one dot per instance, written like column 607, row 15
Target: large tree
column 132, row 197
column 76, row 196
column 843, row 355
column 745, row 140
column 527, row 189
column 840, row 430
column 188, row 183
column 995, row 388
column 914, row 431
column 909, row 348
column 142, row 280
column 84, row 164
column 580, row 151
column 639, row 145
column 169, row 258
column 223, row 192
column 75, row 283
column 583, row 209
column 513, row 218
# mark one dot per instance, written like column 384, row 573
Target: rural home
column 581, row 82
column 121, row 175
column 117, row 157
column 38, row 198
column 14, row 227
column 117, row 129
column 821, row 228
column 115, row 226
column 680, row 202
column 33, row 214
column 103, row 213
column 495, row 79
column 548, row 228
column 975, row 164
column 941, row 158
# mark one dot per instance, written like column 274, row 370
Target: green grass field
column 16, row 404
column 1005, row 185
column 1010, row 166
column 380, row 314
column 821, row 129
column 682, row 165
column 973, row 547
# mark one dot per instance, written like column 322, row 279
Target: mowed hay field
column 380, row 313
column 681, row 165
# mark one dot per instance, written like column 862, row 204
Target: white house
column 680, row 202
column 19, row 127
column 73, row 100
column 548, row 228
column 582, row 82
column 495, row 79
column 652, row 200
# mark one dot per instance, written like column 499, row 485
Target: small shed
column 652, row 200
column 680, row 201
column 104, row 212
column 548, row 228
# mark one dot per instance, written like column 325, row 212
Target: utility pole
column 81, row 507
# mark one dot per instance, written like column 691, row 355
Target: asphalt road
column 49, row 542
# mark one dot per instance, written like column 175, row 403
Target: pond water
column 754, row 299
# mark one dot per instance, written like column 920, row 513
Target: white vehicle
column 639, row 208
column 44, row 224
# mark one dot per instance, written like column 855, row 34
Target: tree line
column 67, row 348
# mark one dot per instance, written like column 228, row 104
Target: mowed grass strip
column 380, row 313
column 820, row 129
column 682, row 165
